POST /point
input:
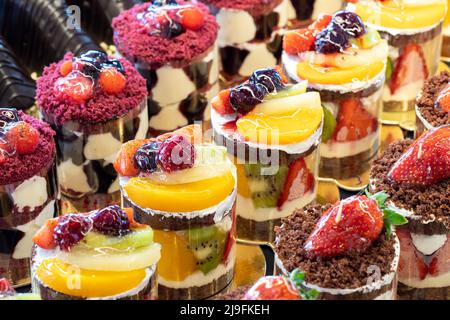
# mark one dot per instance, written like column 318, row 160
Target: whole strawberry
column 426, row 161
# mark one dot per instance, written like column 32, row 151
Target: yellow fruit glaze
column 243, row 186
column 177, row 261
column 323, row 75
column 73, row 281
column 400, row 15
column 185, row 197
column 280, row 129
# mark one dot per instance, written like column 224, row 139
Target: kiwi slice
column 208, row 246
column 265, row 189
column 389, row 68
column 135, row 239
column 293, row 90
column 329, row 124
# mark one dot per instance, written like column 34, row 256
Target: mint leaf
column 297, row 277
column 312, row 294
column 392, row 217
column 379, row 197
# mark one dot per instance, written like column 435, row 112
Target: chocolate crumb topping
column 430, row 203
column 430, row 92
column 348, row 271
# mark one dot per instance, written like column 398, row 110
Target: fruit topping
column 23, row 137
column 8, row 116
column 332, row 39
column 354, row 122
column 191, row 18
column 292, row 90
column 6, row 287
column 269, row 78
column 111, row 221
column 370, row 39
column 138, row 238
column 221, row 103
column 125, row 163
column 65, row 68
column 351, row 225
column 146, row 156
column 76, row 86
column 426, row 161
column 349, row 22
column 71, row 229
column 112, row 81
column 410, row 68
column 176, row 153
column 44, row 237
column 443, row 100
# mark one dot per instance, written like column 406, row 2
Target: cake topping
column 176, row 153
column 111, row 221
column 352, row 225
column 6, row 288
column 426, row 161
column 443, row 100
column 80, row 75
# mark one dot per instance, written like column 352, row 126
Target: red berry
column 298, row 41
column 111, row 221
column 65, row 68
column 44, row 237
column 192, row 18
column 71, row 229
column 350, row 225
column 76, row 86
column 221, row 103
column 176, row 153
column 6, row 287
column 112, row 81
column 272, row 288
column 23, row 137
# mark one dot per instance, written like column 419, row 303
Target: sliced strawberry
column 412, row 263
column 125, row 164
column 221, row 103
column 410, row 67
column 231, row 241
column 23, row 137
column 354, row 122
column 350, row 225
column 426, row 161
column 440, row 262
column 443, row 100
column 44, row 236
column 273, row 288
column 297, row 41
column 299, row 182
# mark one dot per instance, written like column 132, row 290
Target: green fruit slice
column 293, row 90
column 136, row 239
column 109, row 259
column 389, row 68
column 329, row 124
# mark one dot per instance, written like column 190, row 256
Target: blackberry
column 269, row 78
column 332, row 40
column 350, row 22
column 146, row 155
column 246, row 96
column 172, row 29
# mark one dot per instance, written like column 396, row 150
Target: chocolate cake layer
column 401, row 40
column 335, row 96
column 427, row 100
column 408, row 293
column 256, row 230
column 349, row 271
column 430, row 203
column 236, row 294
column 202, row 292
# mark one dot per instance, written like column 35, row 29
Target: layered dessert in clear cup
column 272, row 130
column 348, row 250
column 433, row 103
column 7, row 292
column 186, row 191
column 250, row 35
column 94, row 103
column 345, row 61
column 415, row 174
column 303, row 12
column 172, row 43
column 98, row 255
column 445, row 52
column 27, row 189
column 413, row 30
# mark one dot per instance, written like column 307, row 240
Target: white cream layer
column 30, row 193
column 406, row 92
column 333, row 149
column 428, row 244
column 440, row 281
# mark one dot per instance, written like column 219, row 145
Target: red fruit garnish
column 443, row 100
column 112, row 81
column 412, row 263
column 426, row 161
column 350, row 225
column 272, row 288
column 297, row 41
column 176, row 153
column 44, row 237
column 75, row 86
column 65, row 68
column 410, row 67
column 191, row 18
column 321, row 23
column 299, row 181
column 125, row 164
column 111, row 220
column 6, row 287
column 71, row 229
column 23, row 137
column 231, row 241
column 354, row 122
column 221, row 103
column 440, row 262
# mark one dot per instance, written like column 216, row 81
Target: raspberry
column 23, row 137
column 71, row 229
column 192, row 18
column 111, row 221
column 112, row 81
column 176, row 153
column 146, row 156
column 65, row 68
column 76, row 86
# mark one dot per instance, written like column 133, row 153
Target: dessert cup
column 99, row 255
column 350, row 78
column 423, row 268
column 414, row 33
column 191, row 210
column 429, row 111
column 446, row 34
column 180, row 66
column 371, row 275
column 27, row 194
column 91, row 131
column 249, row 37
column 303, row 12
column 7, row 292
column 276, row 154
